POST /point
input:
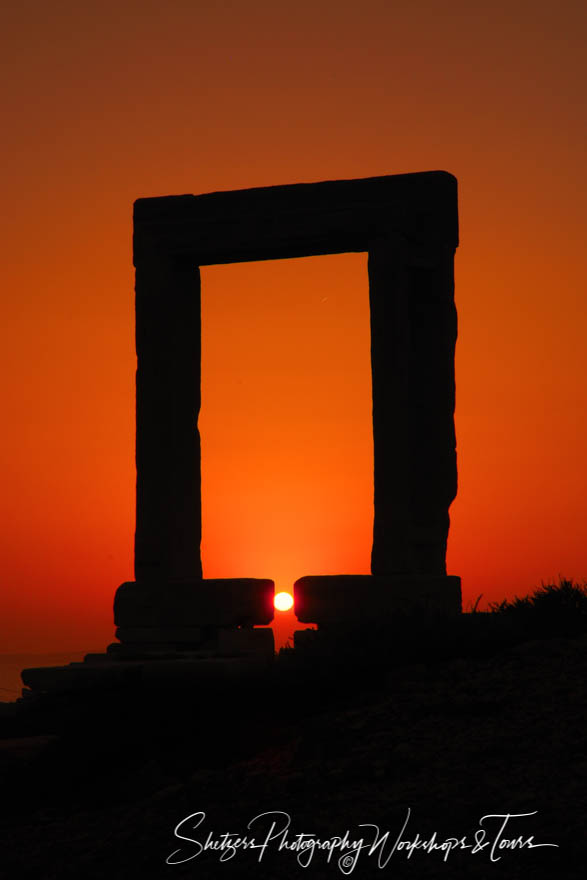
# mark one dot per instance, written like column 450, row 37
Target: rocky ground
column 428, row 747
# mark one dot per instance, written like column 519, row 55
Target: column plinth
column 364, row 599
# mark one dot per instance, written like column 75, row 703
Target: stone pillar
column 168, row 331
column 413, row 336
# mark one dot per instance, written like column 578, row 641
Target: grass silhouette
column 561, row 606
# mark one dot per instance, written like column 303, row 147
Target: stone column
column 413, row 336
column 168, row 344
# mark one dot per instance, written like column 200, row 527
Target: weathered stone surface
column 211, row 672
column 413, row 336
column 221, row 641
column 328, row 599
column 297, row 220
column 142, row 635
column 142, row 651
column 76, row 676
column 142, row 664
column 305, row 639
column 168, row 511
column 409, row 225
column 214, row 642
column 149, row 674
column 238, row 642
column 213, row 602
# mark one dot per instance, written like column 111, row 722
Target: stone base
column 231, row 656
column 348, row 599
column 182, row 610
column 184, row 637
column 168, row 642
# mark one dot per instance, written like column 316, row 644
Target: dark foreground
column 95, row 789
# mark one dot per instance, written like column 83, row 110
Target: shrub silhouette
column 554, row 609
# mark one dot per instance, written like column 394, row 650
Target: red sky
column 105, row 102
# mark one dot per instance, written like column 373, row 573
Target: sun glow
column 283, row 601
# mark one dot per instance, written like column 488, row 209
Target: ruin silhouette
column 408, row 224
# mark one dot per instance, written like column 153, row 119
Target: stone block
column 80, row 676
column 222, row 602
column 141, row 635
column 238, row 642
column 193, row 641
column 146, row 651
column 348, row 598
column 305, row 639
column 200, row 673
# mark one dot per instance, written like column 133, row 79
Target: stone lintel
column 344, row 598
column 222, row 602
column 297, row 220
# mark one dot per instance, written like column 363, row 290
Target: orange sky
column 105, row 102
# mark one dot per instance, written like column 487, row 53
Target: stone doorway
column 408, row 225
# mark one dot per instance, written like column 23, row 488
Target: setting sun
column 283, row 601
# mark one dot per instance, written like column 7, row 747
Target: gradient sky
column 105, row 102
